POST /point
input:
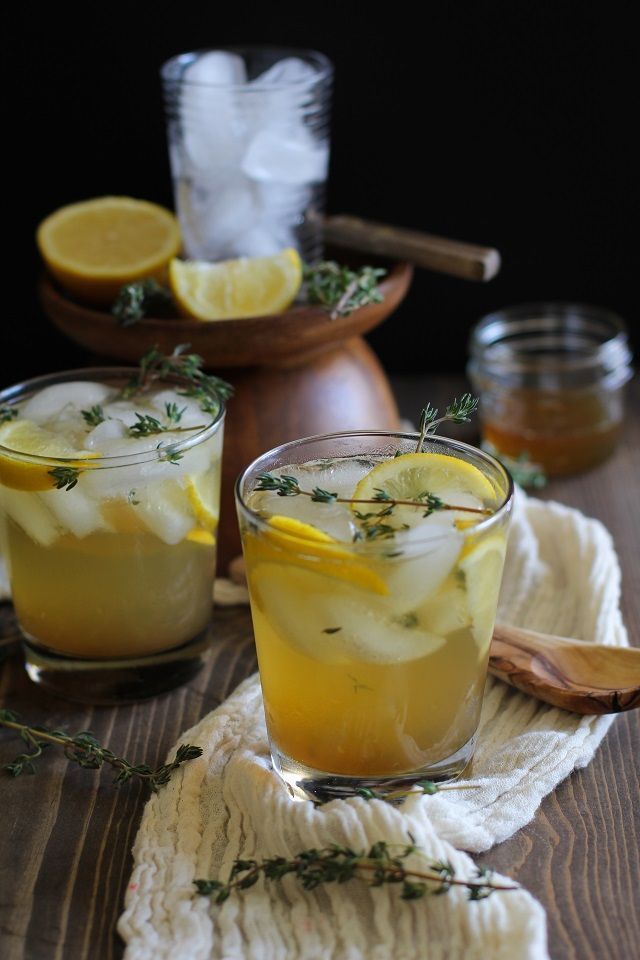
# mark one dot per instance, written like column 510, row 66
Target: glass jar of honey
column 551, row 378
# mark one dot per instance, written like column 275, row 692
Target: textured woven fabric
column 562, row 576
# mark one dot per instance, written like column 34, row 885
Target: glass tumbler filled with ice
column 109, row 492
column 248, row 132
column 374, row 572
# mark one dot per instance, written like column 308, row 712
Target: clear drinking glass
column 248, row 132
column 111, row 575
column 372, row 653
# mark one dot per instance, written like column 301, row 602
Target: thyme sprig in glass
column 183, row 368
column 384, row 863
column 83, row 749
column 372, row 523
column 8, row 413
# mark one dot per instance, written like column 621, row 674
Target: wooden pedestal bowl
column 295, row 374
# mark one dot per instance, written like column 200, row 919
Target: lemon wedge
column 233, row 289
column 94, row 247
column 292, row 542
column 26, row 436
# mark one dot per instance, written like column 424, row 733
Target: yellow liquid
column 110, row 594
column 341, row 702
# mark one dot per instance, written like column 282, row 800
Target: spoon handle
column 581, row 677
column 467, row 260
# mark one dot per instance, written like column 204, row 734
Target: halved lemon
column 232, row 289
column 26, row 436
column 292, row 542
column 94, row 247
column 411, row 475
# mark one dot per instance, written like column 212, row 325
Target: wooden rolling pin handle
column 466, row 260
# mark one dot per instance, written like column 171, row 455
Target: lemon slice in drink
column 201, row 493
column 292, row 542
column 25, row 436
column 233, row 289
column 412, row 475
column 482, row 567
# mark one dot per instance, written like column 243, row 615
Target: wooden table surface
column 66, row 833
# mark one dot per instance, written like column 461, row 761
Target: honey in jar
column 551, row 378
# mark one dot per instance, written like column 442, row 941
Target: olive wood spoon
column 582, row 677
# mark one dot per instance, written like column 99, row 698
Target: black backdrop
column 510, row 124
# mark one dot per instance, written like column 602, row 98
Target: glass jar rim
column 15, row 393
column 172, row 70
column 458, row 445
column 558, row 335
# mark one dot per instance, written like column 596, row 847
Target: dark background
column 508, row 124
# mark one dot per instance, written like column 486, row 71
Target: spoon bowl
column 582, row 677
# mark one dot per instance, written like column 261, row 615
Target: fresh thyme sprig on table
column 337, row 864
column 426, row 787
column 340, row 289
column 86, row 751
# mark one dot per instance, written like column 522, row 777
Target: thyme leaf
column 338, row 288
column 137, row 300
column 383, row 863
column 83, row 749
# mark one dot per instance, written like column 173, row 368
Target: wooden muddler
column 466, row 260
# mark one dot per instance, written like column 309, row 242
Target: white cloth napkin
column 562, row 577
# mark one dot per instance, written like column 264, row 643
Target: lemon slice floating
column 411, row 475
column 292, row 542
column 482, row 567
column 25, row 436
column 233, row 289
column 201, row 494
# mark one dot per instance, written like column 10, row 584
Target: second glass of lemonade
column 108, row 514
column 374, row 572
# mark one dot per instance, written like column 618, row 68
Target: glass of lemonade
column 374, row 574
column 108, row 515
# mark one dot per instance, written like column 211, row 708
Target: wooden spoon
column 582, row 677
column 467, row 260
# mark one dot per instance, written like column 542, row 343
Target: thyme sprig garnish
column 136, row 300
column 384, row 863
column 186, row 369
column 340, row 289
column 94, row 415
column 83, row 748
column 459, row 411
column 8, row 413
column 147, row 425
column 287, row 486
column 64, row 478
